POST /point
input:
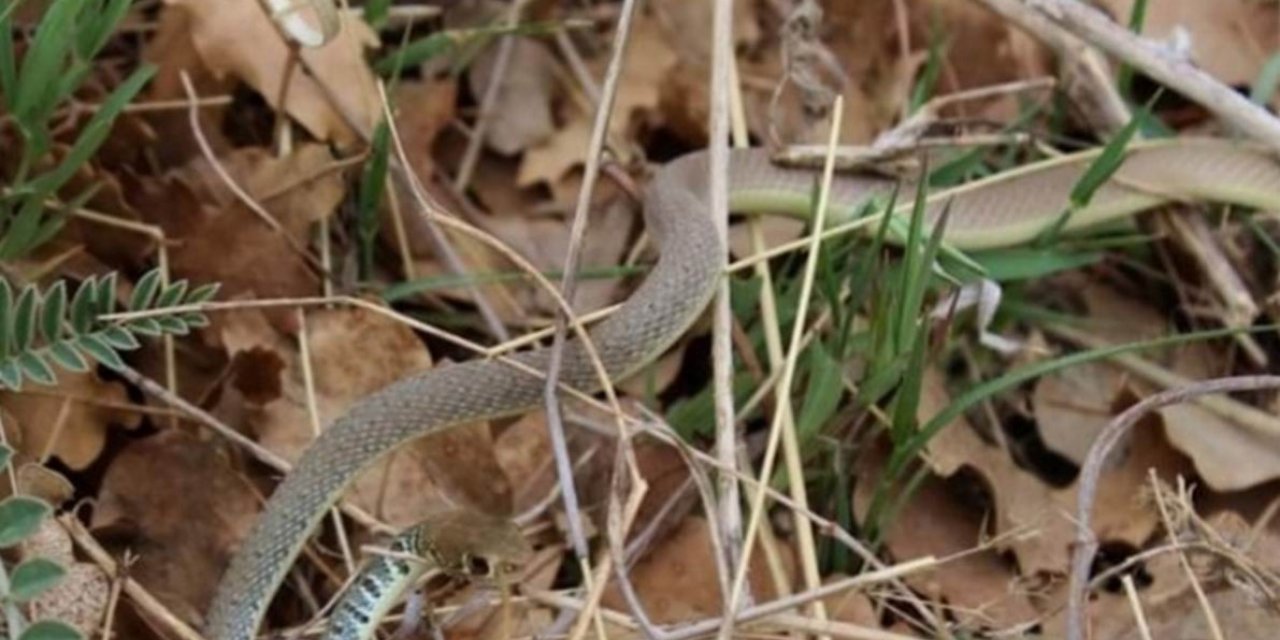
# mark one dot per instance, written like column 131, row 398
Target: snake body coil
column 1004, row 210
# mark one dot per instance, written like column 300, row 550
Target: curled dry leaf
column 355, row 352
column 981, row 589
column 70, row 419
column 1038, row 517
column 1071, row 406
column 1228, row 457
column 236, row 37
column 42, row 482
column 177, row 505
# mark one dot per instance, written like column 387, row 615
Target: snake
column 1006, row 209
column 461, row 543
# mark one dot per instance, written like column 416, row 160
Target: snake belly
column 1004, row 210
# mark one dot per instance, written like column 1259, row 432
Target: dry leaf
column 521, row 115
column 115, row 246
column 237, row 37
column 1170, row 606
column 204, row 220
column 1071, row 406
column 424, row 109
column 1041, row 516
column 39, row 481
column 982, row 589
column 649, row 59
column 852, row 606
column 184, row 527
column 1227, row 456
column 355, row 352
column 70, row 419
column 545, row 242
column 688, row 25
column 676, row 580
column 173, row 52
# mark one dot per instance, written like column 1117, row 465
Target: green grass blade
column 8, row 59
column 95, row 34
column 1023, row 374
column 373, row 182
column 376, row 12
column 43, row 63
column 1268, row 80
column 1097, row 174
column 1124, row 78
column 95, row 132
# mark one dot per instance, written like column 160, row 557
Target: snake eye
column 477, row 566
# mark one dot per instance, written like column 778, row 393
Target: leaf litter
column 996, row 487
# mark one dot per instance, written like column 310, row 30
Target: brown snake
column 1004, row 210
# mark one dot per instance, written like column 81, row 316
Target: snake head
column 475, row 546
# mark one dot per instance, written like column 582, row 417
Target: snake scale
column 1003, row 210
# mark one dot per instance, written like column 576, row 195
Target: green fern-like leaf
column 145, row 291
column 41, row 332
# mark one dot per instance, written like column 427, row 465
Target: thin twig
column 806, row 548
column 568, row 286
column 729, row 511
column 1135, row 604
column 1091, row 470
